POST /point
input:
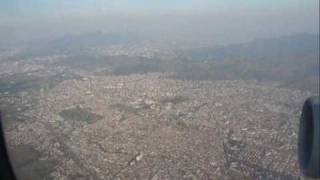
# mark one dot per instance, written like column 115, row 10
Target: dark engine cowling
column 309, row 138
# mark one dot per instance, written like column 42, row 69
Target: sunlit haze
column 217, row 22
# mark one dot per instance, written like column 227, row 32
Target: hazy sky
column 225, row 19
column 20, row 8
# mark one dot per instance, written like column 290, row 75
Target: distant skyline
column 225, row 21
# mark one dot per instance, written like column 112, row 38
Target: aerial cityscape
column 156, row 94
column 119, row 113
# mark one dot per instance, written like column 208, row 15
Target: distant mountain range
column 262, row 48
column 75, row 43
column 91, row 39
column 291, row 60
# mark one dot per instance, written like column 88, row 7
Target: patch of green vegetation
column 80, row 114
column 126, row 108
column 25, row 82
column 28, row 165
column 139, row 67
column 174, row 99
column 18, row 82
